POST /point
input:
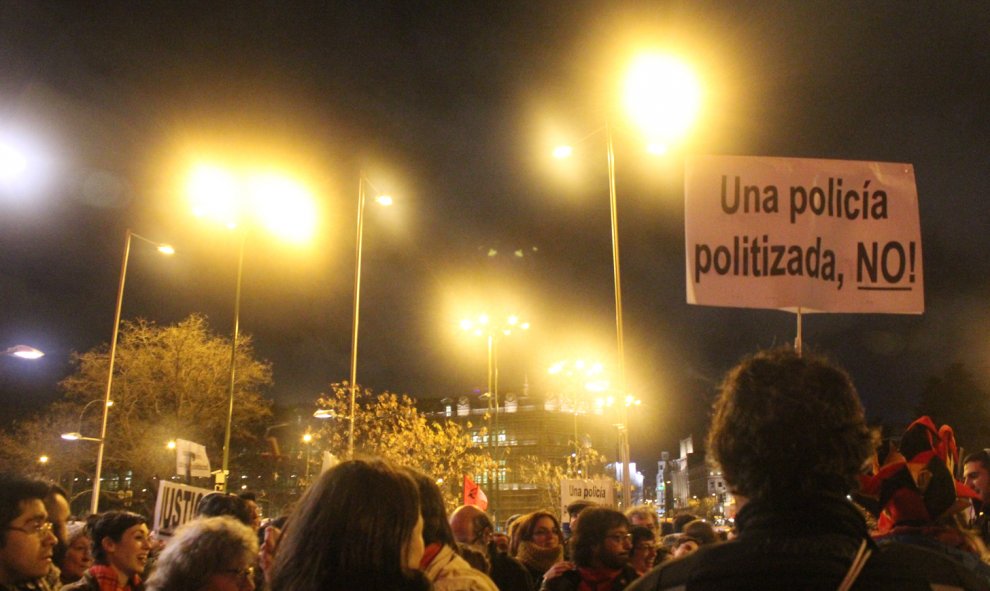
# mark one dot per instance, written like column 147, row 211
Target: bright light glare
column 597, row 386
column 466, row 324
column 43, row 459
column 166, row 249
column 283, row 206
column 384, row 200
column 512, row 320
column 24, row 352
column 170, row 445
column 656, row 149
column 483, row 319
column 662, row 95
column 307, row 438
column 212, row 193
column 71, row 436
column 561, row 152
column 12, row 162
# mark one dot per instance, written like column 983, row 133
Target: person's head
column 251, row 500
column 431, row 506
column 976, row 473
column 218, row 504
column 763, row 439
column 644, row 549
column 78, row 556
column 539, row 528
column 121, row 541
column 574, row 510
column 470, row 525
column 681, row 520
column 601, row 539
column 696, row 534
column 26, row 540
column 357, row 527
column 207, row 554
column 643, row 516
column 57, row 505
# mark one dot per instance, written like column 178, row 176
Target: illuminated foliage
column 169, row 382
column 389, row 426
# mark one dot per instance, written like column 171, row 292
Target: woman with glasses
column 207, row 554
column 644, row 549
column 537, row 542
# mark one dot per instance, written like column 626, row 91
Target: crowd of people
column 824, row 504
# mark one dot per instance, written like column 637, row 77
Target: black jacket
column 805, row 544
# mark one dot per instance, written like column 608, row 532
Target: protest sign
column 802, row 234
column 176, row 504
column 191, row 459
column 600, row 491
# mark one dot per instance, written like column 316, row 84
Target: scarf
column 597, row 579
column 537, row 558
column 106, row 577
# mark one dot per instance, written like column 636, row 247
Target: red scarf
column 429, row 553
column 597, row 579
column 108, row 578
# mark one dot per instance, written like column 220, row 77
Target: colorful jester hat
column 914, row 483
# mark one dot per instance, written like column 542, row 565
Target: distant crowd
column 823, row 504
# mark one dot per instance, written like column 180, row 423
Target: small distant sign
column 190, row 452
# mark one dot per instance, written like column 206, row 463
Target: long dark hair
column 350, row 531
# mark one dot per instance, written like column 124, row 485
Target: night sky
column 451, row 108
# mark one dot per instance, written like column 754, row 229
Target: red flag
column 473, row 495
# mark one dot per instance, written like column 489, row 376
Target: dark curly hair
column 591, row 530
column 787, row 426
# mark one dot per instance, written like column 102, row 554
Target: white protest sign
column 600, row 491
column 187, row 452
column 789, row 233
column 176, row 504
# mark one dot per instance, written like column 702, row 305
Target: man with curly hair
column 790, row 436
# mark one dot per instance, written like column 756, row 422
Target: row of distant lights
column 479, row 326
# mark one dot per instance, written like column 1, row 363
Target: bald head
column 471, row 525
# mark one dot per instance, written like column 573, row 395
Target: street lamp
column 307, row 439
column 281, row 204
column 22, row 352
column 384, row 201
column 166, row 250
column 493, row 331
column 662, row 95
column 76, row 435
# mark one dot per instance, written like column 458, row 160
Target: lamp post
column 282, row 205
column 663, row 96
column 482, row 326
column 385, row 201
column 164, row 249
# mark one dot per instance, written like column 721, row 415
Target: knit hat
column 912, row 483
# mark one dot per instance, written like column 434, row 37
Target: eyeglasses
column 243, row 574
column 35, row 528
column 646, row 547
column 620, row 538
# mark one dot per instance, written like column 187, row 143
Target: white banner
column 189, row 451
column 789, row 233
column 176, row 504
column 600, row 491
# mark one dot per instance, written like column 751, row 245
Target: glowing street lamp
column 165, row 249
column 22, row 352
column 276, row 202
column 663, row 97
column 484, row 326
column 384, row 201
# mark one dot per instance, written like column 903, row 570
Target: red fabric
column 597, row 579
column 473, row 495
column 429, row 553
column 106, row 576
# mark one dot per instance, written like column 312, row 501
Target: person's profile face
column 977, row 477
